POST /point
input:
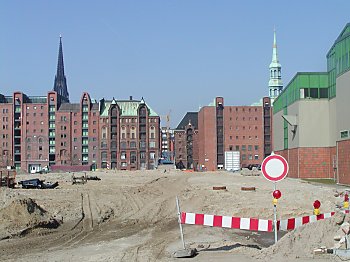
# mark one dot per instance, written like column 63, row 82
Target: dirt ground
column 132, row 216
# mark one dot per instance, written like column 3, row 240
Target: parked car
column 37, row 183
column 256, row 166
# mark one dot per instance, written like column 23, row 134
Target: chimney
column 130, row 97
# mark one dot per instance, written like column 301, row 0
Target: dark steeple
column 60, row 85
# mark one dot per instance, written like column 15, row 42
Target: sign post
column 275, row 168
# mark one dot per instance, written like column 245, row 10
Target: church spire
column 60, row 84
column 275, row 83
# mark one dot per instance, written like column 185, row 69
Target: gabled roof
column 127, row 107
column 189, row 117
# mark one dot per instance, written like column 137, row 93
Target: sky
column 177, row 54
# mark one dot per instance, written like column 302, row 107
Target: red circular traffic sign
column 274, row 168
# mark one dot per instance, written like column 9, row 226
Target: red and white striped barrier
column 252, row 224
column 293, row 223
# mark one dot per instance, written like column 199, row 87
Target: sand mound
column 301, row 242
column 22, row 215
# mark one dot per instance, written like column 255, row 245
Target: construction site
column 132, row 216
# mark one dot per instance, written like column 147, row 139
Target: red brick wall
column 292, row 158
column 207, row 137
column 344, row 162
column 244, row 127
column 311, row 162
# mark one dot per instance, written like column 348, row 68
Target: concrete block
column 188, row 252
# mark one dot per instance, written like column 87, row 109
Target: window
column 323, row 92
column 256, row 157
column 40, row 148
column 243, row 148
column 237, row 148
column 132, row 157
column 250, row 147
column 152, row 144
column 123, row 155
column 250, row 157
column 132, row 144
column 344, row 134
column 104, row 132
column 256, row 147
column 103, row 156
column 152, row 155
column 314, row 92
column 244, row 157
column 152, row 132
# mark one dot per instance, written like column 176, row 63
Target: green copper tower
column 275, row 83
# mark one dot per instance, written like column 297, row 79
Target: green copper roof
column 127, row 107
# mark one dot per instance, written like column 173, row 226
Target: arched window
column 123, row 132
column 104, row 132
column 152, row 132
column 133, row 132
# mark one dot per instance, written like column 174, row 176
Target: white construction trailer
column 232, row 161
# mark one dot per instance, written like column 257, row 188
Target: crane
column 167, row 119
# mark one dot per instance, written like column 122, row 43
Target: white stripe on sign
column 226, row 221
column 208, row 220
column 190, row 218
column 245, row 223
column 263, row 225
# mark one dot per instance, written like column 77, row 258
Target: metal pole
column 179, row 218
column 275, row 217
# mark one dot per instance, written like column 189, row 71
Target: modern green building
column 311, row 123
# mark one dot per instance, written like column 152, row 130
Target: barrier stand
column 276, row 195
column 179, row 219
column 185, row 252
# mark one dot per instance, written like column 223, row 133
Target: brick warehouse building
column 50, row 131
column 40, row 131
column 311, row 121
column 218, row 128
column 186, row 142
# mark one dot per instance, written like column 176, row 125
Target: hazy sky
column 178, row 55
